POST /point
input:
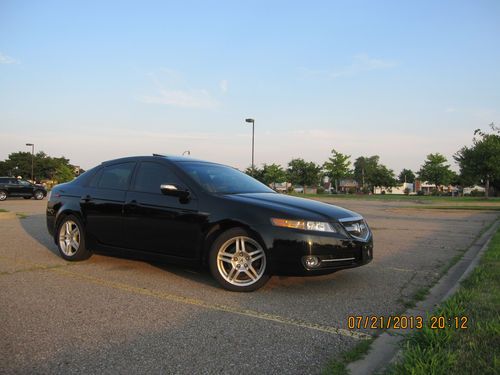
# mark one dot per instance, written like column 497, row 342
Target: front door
column 158, row 223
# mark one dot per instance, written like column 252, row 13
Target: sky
column 97, row 80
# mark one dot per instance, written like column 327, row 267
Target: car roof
column 172, row 158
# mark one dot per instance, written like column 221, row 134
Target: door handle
column 86, row 199
column 132, row 204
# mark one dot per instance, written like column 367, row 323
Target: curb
column 386, row 348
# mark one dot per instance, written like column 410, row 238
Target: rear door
column 158, row 223
column 26, row 188
column 102, row 204
column 15, row 187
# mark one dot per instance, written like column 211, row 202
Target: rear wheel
column 3, row 195
column 71, row 239
column 38, row 195
column 238, row 262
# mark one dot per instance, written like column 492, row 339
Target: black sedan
column 15, row 187
column 196, row 212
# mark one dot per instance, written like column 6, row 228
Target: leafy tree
column 337, row 167
column 63, row 173
column 255, row 172
column 480, row 163
column 435, row 170
column 383, row 176
column 369, row 173
column 44, row 166
column 273, row 173
column 303, row 173
column 406, row 175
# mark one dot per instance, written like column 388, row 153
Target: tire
column 238, row 261
column 38, row 194
column 3, row 195
column 70, row 238
column 27, row 197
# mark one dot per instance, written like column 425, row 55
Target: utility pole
column 32, row 159
column 252, row 121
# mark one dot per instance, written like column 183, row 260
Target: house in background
column 401, row 189
column 348, row 185
column 427, row 188
column 475, row 188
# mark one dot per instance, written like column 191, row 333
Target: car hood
column 293, row 206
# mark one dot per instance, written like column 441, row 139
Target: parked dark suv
column 14, row 187
column 197, row 212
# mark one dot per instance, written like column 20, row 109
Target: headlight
column 318, row 226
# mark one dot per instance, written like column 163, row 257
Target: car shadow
column 35, row 227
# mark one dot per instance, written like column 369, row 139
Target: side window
column 95, row 179
column 151, row 175
column 115, row 176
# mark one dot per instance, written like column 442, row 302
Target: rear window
column 115, row 176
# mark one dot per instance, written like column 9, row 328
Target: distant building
column 470, row 189
column 400, row 189
column 348, row 185
column 427, row 188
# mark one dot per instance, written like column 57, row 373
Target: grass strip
column 401, row 197
column 339, row 367
column 458, row 207
column 475, row 350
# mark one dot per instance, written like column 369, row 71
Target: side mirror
column 174, row 191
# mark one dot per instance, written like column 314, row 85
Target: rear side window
column 151, row 175
column 4, row 180
column 115, row 176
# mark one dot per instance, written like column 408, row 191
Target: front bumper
column 287, row 249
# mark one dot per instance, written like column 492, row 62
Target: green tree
column 369, row 173
column 303, row 173
column 435, row 170
column 64, row 173
column 480, row 163
column 44, row 166
column 255, row 172
column 337, row 167
column 406, row 175
column 273, row 173
column 383, row 176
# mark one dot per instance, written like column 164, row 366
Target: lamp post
column 251, row 120
column 32, row 158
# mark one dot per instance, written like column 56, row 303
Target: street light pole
column 32, row 158
column 251, row 120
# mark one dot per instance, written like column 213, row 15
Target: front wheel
column 238, row 262
column 3, row 195
column 71, row 239
column 38, row 195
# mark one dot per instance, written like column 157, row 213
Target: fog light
column 311, row 261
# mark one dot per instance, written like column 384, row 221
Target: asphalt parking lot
column 110, row 315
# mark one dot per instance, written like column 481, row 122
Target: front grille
column 356, row 227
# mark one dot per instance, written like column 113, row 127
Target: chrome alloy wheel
column 3, row 195
column 38, row 195
column 69, row 238
column 241, row 261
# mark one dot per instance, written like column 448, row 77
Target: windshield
column 221, row 179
